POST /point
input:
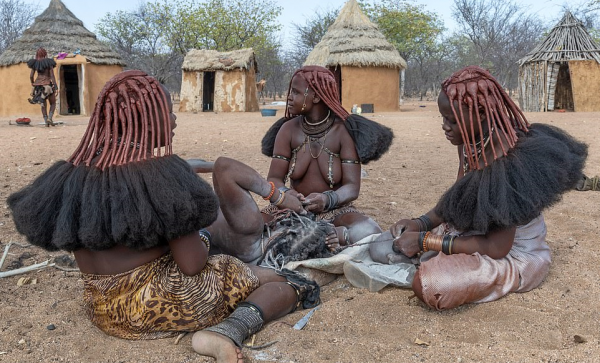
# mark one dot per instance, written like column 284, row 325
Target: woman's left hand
column 408, row 243
column 315, row 202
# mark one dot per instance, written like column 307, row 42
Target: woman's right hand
column 292, row 202
column 404, row 225
column 407, row 244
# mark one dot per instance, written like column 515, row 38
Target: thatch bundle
column 353, row 40
column 58, row 30
column 202, row 60
column 568, row 40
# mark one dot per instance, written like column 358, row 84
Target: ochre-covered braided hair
column 323, row 83
column 126, row 122
column 41, row 53
column 478, row 89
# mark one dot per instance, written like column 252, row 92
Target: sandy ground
column 558, row 322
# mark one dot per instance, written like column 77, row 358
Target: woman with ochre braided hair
column 130, row 211
column 486, row 236
column 44, row 86
column 318, row 148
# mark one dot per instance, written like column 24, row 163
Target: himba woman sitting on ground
column 490, row 228
column 130, row 210
column 318, row 147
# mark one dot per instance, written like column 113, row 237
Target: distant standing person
column 44, row 86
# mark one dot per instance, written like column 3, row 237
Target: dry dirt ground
column 558, row 322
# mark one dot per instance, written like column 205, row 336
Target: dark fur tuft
column 371, row 139
column 268, row 141
column 138, row 205
column 296, row 238
column 513, row 190
column 39, row 65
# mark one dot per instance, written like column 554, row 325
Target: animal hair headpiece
column 477, row 89
column 126, row 124
column 322, row 81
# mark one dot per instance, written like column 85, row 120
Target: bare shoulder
column 290, row 125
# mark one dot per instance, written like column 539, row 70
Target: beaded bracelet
column 268, row 197
column 425, row 246
column 205, row 237
column 280, row 199
column 423, row 241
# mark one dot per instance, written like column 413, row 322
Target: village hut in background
column 369, row 69
column 562, row 72
column 219, row 81
column 88, row 65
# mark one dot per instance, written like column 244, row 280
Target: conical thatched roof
column 58, row 30
column 568, row 40
column 353, row 40
column 200, row 60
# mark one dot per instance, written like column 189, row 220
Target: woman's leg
column 52, row 100
column 238, row 228
column 272, row 300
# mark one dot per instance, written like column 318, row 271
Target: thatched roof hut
column 367, row 66
column 219, row 81
column 80, row 76
column 562, row 71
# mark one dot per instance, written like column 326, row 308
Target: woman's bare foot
column 336, row 238
column 217, row 346
column 201, row 166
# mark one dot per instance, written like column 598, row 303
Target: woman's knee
column 222, row 164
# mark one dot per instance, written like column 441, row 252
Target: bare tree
column 308, row 35
column 140, row 38
column 500, row 32
column 15, row 17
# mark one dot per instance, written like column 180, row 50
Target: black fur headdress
column 371, row 139
column 513, row 190
column 138, row 205
column 41, row 64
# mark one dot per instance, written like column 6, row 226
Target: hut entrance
column 70, row 90
column 563, row 96
column 208, row 91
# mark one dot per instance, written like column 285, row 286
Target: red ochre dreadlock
column 478, row 89
column 125, row 125
column 323, row 83
column 41, row 53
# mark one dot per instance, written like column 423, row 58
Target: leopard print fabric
column 329, row 216
column 156, row 300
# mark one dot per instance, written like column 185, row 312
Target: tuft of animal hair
column 296, row 238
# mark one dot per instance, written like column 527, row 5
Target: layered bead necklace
column 316, row 132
